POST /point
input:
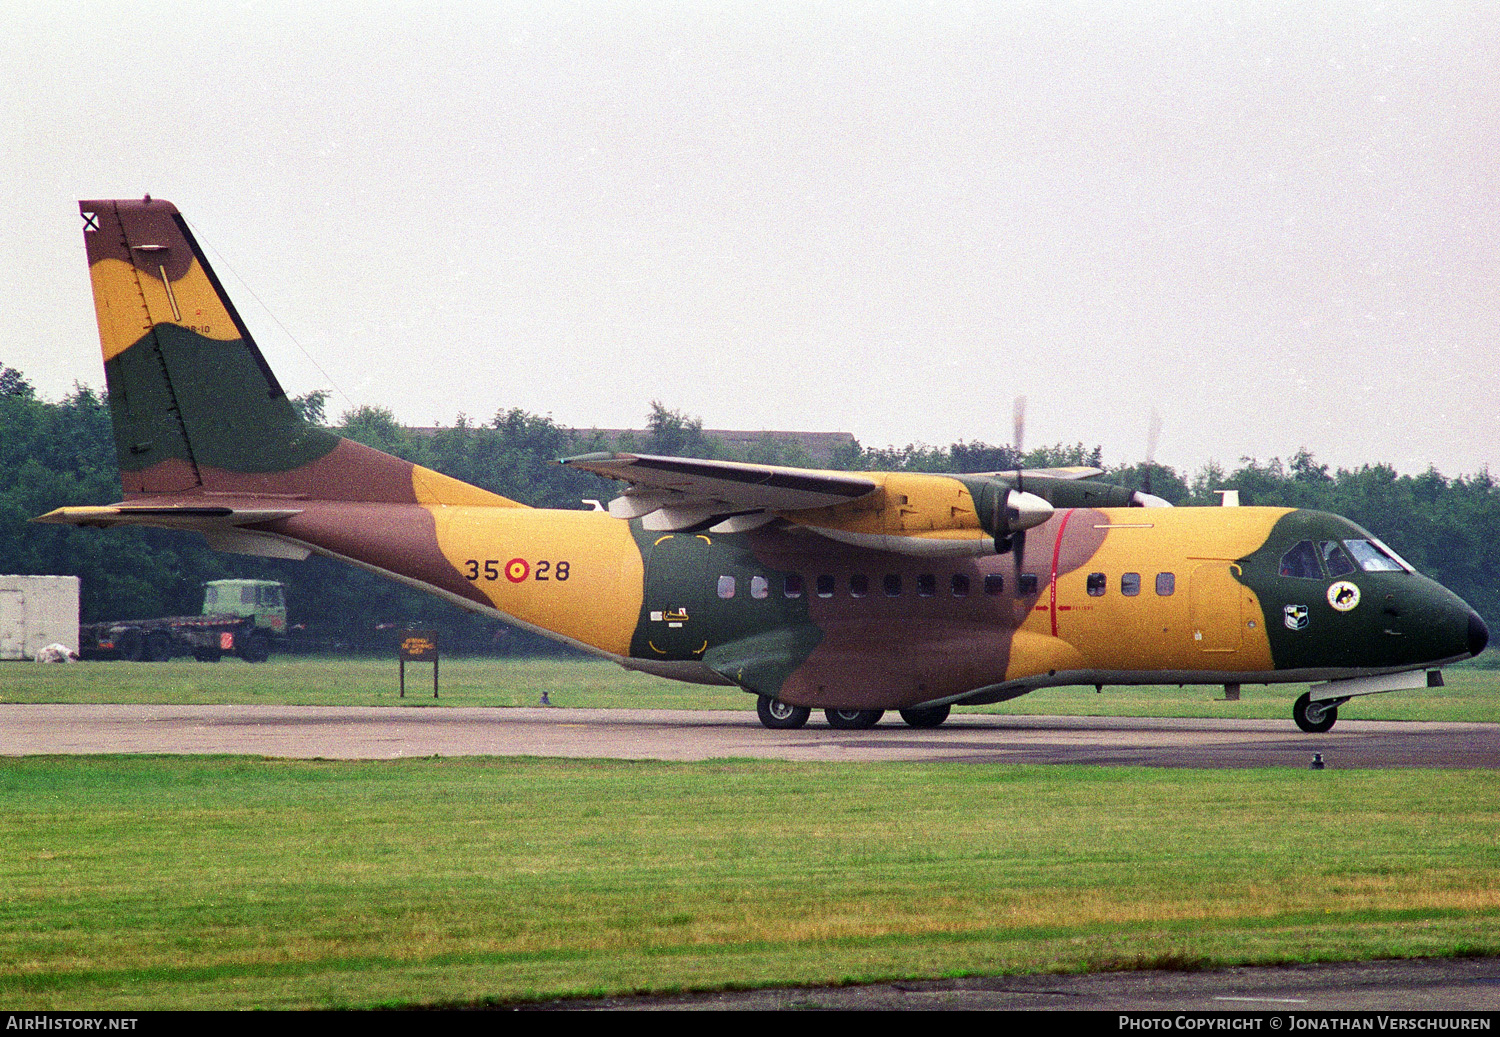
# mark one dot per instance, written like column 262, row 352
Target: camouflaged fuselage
column 207, row 440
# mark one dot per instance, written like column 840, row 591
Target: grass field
column 149, row 882
column 1472, row 693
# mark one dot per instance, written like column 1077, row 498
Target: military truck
column 240, row 617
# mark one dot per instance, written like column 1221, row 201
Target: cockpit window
column 1302, row 562
column 1334, row 558
column 1375, row 557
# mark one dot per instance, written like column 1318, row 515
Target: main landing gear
column 932, row 716
column 1315, row 717
column 853, row 719
column 779, row 716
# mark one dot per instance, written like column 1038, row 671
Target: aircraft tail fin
column 196, row 408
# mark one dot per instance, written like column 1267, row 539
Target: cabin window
column 1166, row 583
column 210, row 597
column 759, row 586
column 247, row 595
column 1375, row 557
column 994, row 584
column 792, row 588
column 859, row 585
column 1026, row 584
column 926, row 585
column 825, row 586
column 726, row 586
column 1130, row 584
column 1096, row 585
column 961, row 585
column 892, row 585
column 1334, row 558
column 1301, row 562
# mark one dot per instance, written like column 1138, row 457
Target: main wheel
column 1314, row 717
column 931, row 716
column 853, row 719
column 780, row 716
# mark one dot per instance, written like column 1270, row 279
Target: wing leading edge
column 903, row 512
column 675, row 493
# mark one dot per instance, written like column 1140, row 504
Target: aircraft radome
column 854, row 593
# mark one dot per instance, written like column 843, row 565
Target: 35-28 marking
column 517, row 570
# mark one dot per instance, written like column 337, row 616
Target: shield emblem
column 1295, row 617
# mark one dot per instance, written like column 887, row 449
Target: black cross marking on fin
column 90, row 221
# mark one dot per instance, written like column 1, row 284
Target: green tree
column 376, row 427
column 674, row 434
column 313, row 406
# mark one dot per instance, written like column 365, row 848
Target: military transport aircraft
column 854, row 593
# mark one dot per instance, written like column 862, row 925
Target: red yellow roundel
column 517, row 570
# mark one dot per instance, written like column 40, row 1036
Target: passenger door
column 1214, row 607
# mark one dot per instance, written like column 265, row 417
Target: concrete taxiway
column 377, row 732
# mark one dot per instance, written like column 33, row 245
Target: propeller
column 1016, row 542
column 1144, row 498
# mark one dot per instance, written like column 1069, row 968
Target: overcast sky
column 1275, row 223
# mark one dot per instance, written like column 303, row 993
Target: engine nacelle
column 1004, row 510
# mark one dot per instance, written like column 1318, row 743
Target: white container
column 36, row 611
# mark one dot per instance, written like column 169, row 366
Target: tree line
column 54, row 454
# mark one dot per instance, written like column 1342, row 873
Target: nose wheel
column 1315, row 717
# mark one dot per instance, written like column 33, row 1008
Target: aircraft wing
column 669, row 493
column 1051, row 473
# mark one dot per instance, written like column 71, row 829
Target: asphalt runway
column 383, row 732
column 1283, row 995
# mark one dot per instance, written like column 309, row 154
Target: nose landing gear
column 1315, row 717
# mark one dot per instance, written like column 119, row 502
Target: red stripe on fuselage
column 1062, row 528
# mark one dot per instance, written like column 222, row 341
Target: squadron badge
column 1295, row 617
column 1343, row 595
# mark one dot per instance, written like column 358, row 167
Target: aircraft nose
column 1479, row 634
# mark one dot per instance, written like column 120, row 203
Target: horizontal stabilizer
column 223, row 527
column 196, row 518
